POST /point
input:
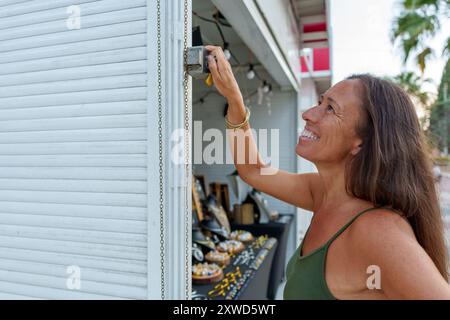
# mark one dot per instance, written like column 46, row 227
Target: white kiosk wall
column 79, row 162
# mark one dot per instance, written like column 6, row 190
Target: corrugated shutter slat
column 73, row 149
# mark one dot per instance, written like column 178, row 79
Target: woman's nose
column 312, row 115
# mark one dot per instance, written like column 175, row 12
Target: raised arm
column 296, row 189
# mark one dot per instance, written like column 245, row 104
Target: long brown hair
column 393, row 167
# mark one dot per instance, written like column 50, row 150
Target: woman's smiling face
column 330, row 131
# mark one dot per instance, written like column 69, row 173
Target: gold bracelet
column 247, row 116
column 240, row 125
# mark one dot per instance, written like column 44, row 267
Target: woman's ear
column 356, row 148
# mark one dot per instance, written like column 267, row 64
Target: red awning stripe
column 315, row 27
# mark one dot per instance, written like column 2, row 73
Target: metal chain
column 161, row 154
column 187, row 212
column 186, row 147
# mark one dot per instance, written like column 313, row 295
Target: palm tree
column 440, row 113
column 418, row 22
column 412, row 84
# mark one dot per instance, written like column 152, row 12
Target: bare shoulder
column 381, row 234
column 381, row 225
column 386, row 239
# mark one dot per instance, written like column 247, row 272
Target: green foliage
column 412, row 84
column 422, row 58
column 412, row 30
column 418, row 22
column 417, row 4
column 446, row 50
column 439, row 127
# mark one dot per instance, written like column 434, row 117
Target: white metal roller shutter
column 73, row 144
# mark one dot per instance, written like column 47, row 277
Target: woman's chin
column 300, row 150
column 307, row 149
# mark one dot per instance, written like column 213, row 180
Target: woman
column 376, row 231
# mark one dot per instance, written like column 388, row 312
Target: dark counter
column 278, row 229
column 256, row 285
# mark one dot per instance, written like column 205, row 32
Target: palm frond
column 417, row 4
column 412, row 29
column 446, row 50
column 412, row 83
column 423, row 57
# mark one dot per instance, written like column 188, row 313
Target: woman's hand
column 222, row 74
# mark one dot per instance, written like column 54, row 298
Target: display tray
column 246, row 277
column 280, row 230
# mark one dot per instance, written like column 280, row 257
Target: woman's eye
column 330, row 108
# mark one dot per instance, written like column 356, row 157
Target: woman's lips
column 309, row 135
column 306, row 139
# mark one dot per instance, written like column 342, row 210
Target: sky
column 361, row 41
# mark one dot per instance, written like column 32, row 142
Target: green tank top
column 305, row 275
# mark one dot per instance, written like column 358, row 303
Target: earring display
column 206, row 273
column 218, row 212
column 232, row 294
column 199, row 237
column 220, row 258
column 242, row 274
column 197, row 253
column 259, row 242
column 245, row 257
column 241, row 235
column 270, row 243
column 227, row 264
column 231, row 246
column 212, row 225
column 259, row 259
column 226, row 284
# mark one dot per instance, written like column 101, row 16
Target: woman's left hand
column 222, row 74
